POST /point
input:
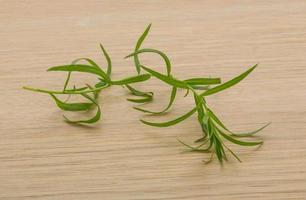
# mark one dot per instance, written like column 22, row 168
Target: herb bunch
column 214, row 132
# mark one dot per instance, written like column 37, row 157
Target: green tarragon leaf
column 109, row 61
column 172, row 122
column 228, row 84
column 78, row 68
column 167, row 79
column 138, row 45
column 91, row 120
column 133, row 79
column 203, row 81
column 226, row 134
column 71, row 106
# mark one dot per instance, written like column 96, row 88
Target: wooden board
column 42, row 157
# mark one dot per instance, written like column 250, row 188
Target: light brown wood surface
column 42, row 157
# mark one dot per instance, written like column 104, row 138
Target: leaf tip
column 149, row 26
column 128, row 56
column 102, row 47
column 255, row 66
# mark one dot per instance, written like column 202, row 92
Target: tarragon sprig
column 214, row 133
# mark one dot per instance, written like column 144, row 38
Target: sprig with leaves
column 91, row 93
column 215, row 133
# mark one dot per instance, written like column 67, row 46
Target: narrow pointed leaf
column 172, row 122
column 78, row 68
column 133, row 79
column 199, row 102
column 248, row 134
column 109, row 61
column 239, row 142
column 138, row 45
column 216, row 119
column 203, row 81
column 226, row 134
column 228, row 84
column 167, row 79
column 141, row 100
column 71, row 106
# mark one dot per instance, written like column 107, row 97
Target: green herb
column 215, row 134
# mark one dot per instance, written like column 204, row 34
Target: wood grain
column 41, row 157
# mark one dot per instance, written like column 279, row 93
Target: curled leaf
column 91, row 120
column 71, row 106
column 172, row 122
column 172, row 97
column 163, row 55
column 147, row 96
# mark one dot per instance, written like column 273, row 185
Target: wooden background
column 42, row 157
